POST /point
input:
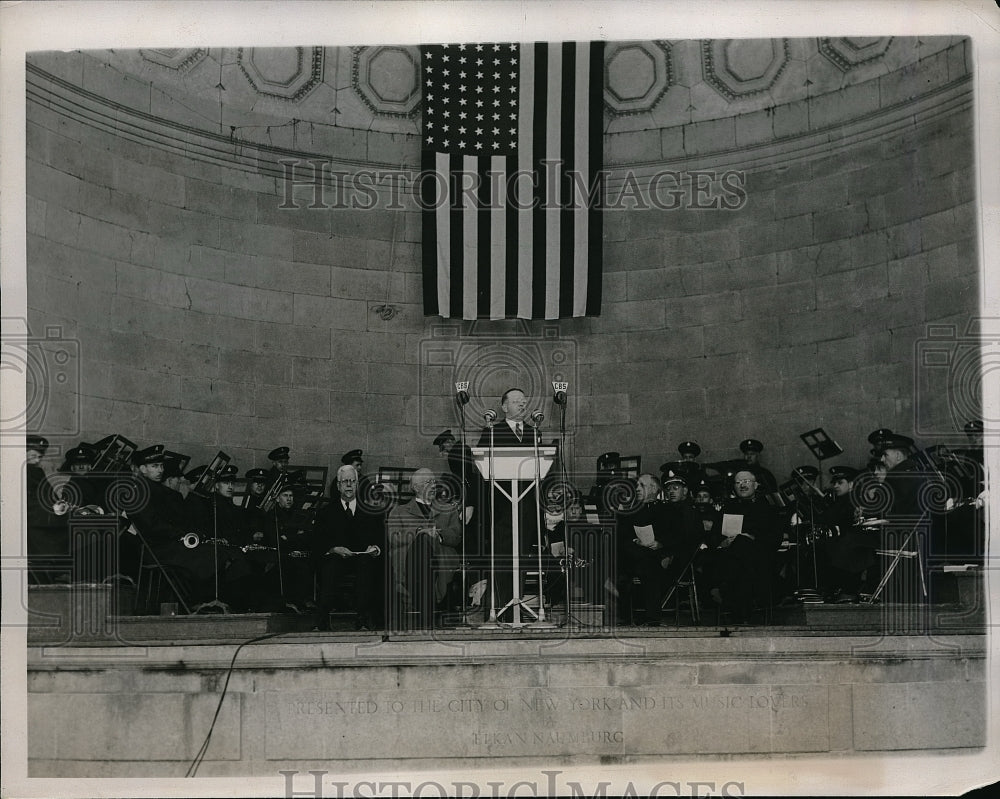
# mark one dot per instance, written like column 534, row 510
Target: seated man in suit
column 740, row 569
column 350, row 539
column 424, row 536
column 643, row 543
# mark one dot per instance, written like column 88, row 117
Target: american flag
column 511, row 156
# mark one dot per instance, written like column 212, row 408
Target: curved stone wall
column 211, row 314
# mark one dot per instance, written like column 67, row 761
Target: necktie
column 348, row 508
column 517, row 427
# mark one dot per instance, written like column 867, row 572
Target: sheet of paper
column 644, row 532
column 732, row 524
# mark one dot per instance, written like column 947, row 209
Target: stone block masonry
column 240, row 324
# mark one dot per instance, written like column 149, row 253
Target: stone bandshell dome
column 282, row 96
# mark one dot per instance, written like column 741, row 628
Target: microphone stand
column 565, row 481
column 492, row 623
column 464, row 622
column 277, row 543
column 540, row 622
column 215, row 603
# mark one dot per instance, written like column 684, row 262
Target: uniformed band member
column 850, row 552
column 877, row 439
column 48, row 535
column 751, row 449
column 353, row 458
column 257, row 481
column 294, row 531
column 690, row 471
column 903, row 477
column 164, row 521
column 459, row 457
column 279, row 457
column 455, row 453
column 78, row 460
column 685, row 530
column 350, row 540
column 689, row 450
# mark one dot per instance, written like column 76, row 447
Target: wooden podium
column 516, row 465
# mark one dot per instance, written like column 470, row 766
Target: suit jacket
column 406, row 520
column 162, row 519
column 760, row 520
column 649, row 513
column 336, row 527
column 503, row 436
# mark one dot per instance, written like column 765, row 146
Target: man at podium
column 514, row 430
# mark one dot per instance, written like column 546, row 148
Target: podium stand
column 515, row 465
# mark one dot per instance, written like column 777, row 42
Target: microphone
column 462, row 392
column 536, row 418
column 490, row 416
column 559, row 388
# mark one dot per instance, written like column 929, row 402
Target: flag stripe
column 595, row 222
column 568, row 213
column 497, row 220
column 484, row 238
column 442, row 246
column 470, row 230
column 456, row 240
column 431, row 263
column 526, row 167
column 538, row 222
column 581, row 125
column 512, row 226
column 552, row 172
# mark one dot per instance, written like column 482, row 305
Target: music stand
column 820, row 444
column 204, row 488
column 114, row 453
column 206, row 482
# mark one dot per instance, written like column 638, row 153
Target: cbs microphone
column 490, row 416
column 559, row 388
column 462, row 392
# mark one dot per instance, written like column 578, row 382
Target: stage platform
column 141, row 700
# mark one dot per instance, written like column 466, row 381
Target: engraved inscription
column 554, row 721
